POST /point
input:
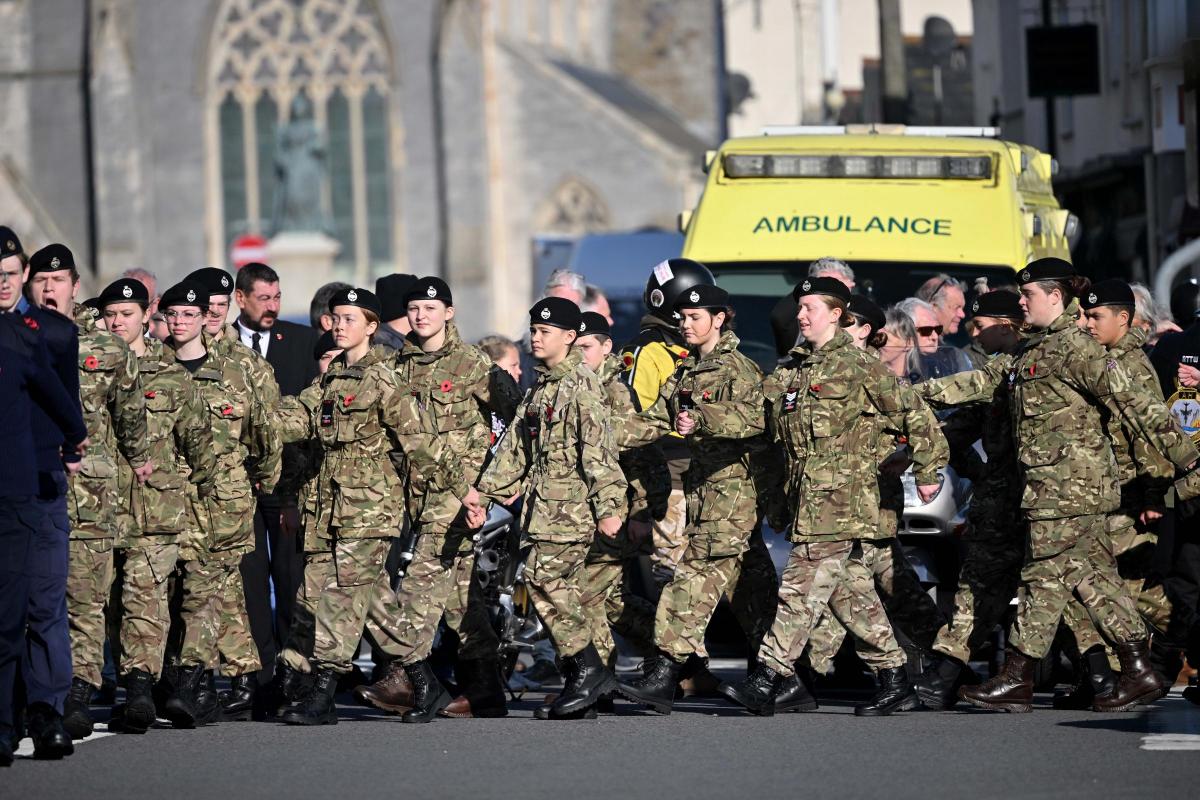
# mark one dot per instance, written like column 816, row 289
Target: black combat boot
column 45, row 728
column 481, row 692
column 757, row 693
column 237, row 704
column 937, row 687
column 547, row 706
column 1010, row 690
column 289, row 687
column 895, row 693
column 318, row 708
column 657, row 687
column 1093, row 678
column 795, row 693
column 429, row 696
column 77, row 716
column 1138, row 685
column 139, row 712
column 208, row 702
column 180, row 707
column 590, row 680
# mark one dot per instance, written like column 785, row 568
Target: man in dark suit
column 278, row 556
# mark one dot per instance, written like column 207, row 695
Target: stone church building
column 440, row 135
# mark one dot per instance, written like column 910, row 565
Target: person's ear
column 573, row 336
column 449, row 313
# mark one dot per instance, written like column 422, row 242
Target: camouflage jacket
column 115, row 413
column 453, row 386
column 1145, row 473
column 893, row 446
column 635, row 436
column 359, row 414
column 1064, row 385
column 727, row 405
column 247, row 449
column 559, row 453
column 180, row 442
column 262, row 380
column 823, row 408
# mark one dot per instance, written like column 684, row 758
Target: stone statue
column 299, row 172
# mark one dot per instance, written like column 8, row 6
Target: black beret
column 324, row 344
column 125, row 290
column 431, row 288
column 557, row 311
column 1000, row 304
column 592, row 323
column 1046, row 269
column 864, row 307
column 185, row 293
column 1111, row 292
column 702, row 296
column 10, row 245
column 827, row 286
column 785, row 328
column 214, row 279
column 51, row 258
column 355, row 297
column 392, row 289
column 93, row 304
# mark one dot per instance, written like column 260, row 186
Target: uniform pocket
column 363, row 498
column 358, row 562
column 831, row 412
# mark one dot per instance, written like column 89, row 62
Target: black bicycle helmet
column 668, row 280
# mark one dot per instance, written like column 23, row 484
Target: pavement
column 706, row 748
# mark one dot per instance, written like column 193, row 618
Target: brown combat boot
column 393, row 692
column 1011, row 689
column 1138, row 685
column 482, row 691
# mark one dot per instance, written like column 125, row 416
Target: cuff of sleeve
column 927, row 478
column 606, row 508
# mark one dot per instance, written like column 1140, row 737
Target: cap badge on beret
column 545, row 313
column 582, row 327
column 191, row 296
column 657, row 298
column 1092, row 298
column 975, row 307
column 431, row 291
column 352, row 296
column 806, row 285
column 225, row 281
column 694, row 297
column 54, row 263
column 127, row 291
column 11, row 245
column 1025, row 275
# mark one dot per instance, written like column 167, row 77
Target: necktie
column 256, row 342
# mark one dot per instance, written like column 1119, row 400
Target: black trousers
column 276, row 562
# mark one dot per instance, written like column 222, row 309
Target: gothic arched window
column 262, row 55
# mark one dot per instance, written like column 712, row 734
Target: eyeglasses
column 929, row 330
column 186, row 316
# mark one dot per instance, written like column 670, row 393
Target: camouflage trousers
column 753, row 593
column 670, row 532
column 439, row 582
column 709, row 566
column 89, row 585
column 988, row 582
column 1086, row 569
column 554, row 576
column 607, row 603
column 212, row 613
column 830, row 577
column 145, row 611
column 909, row 607
column 1134, row 550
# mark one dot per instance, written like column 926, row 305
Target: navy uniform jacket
column 28, row 386
column 61, row 338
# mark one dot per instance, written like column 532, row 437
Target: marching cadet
column 822, row 408
column 994, row 541
column 456, row 387
column 910, row 609
column 213, row 612
column 359, row 414
column 180, row 444
column 560, row 455
column 717, row 404
column 115, row 413
column 1144, row 475
column 1061, row 381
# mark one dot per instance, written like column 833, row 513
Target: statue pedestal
column 304, row 261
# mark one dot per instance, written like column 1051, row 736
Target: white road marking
column 1174, row 724
column 101, row 730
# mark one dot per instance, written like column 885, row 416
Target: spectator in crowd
column 391, row 291
column 1185, row 303
column 830, row 267
column 1150, row 316
column 594, row 299
column 504, row 353
column 949, row 300
column 318, row 310
column 926, row 323
column 901, row 341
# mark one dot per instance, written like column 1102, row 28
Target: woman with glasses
column 825, row 409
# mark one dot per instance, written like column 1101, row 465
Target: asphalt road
column 704, row 749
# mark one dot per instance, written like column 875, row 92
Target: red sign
column 247, row 250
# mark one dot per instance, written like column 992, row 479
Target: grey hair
column 831, row 264
column 591, row 296
column 566, row 279
column 909, row 307
column 898, row 322
column 1145, row 308
column 933, row 287
column 320, row 302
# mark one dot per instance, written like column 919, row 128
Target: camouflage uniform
column 1064, row 385
column 822, row 409
column 560, row 454
column 247, row 445
column 355, row 505
column 1133, row 545
column 115, row 413
column 454, row 387
column 179, row 441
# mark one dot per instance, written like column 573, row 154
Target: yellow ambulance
column 898, row 204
